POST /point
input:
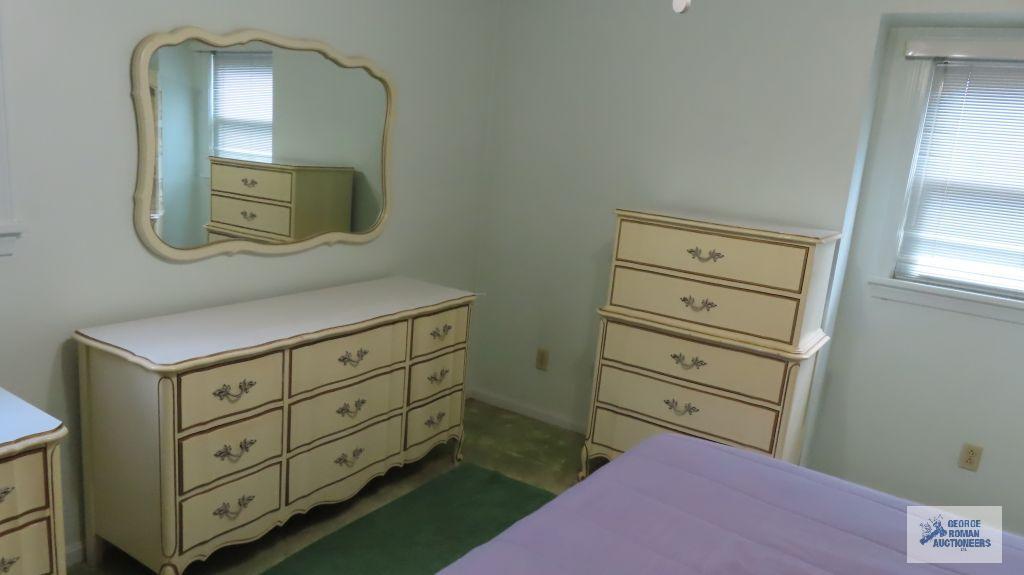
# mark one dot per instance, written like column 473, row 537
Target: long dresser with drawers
column 208, row 428
column 712, row 330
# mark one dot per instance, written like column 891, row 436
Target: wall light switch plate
column 542, row 359
column 970, row 456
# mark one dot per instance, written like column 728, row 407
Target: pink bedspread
column 684, row 506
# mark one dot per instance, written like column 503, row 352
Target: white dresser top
column 20, row 420
column 738, row 224
column 174, row 339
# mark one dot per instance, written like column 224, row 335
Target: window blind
column 243, row 105
column 965, row 222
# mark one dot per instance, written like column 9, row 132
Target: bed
column 683, row 506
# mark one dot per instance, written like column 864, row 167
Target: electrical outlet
column 970, row 456
column 542, row 359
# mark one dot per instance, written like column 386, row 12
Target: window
column 965, row 223
column 243, row 105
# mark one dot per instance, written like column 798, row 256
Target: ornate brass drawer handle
column 704, row 305
column 249, row 183
column 688, row 408
column 434, row 420
column 347, row 461
column 225, row 512
column 442, row 332
column 6, row 564
column 4, row 492
column 347, row 410
column 224, row 393
column 713, row 256
column 227, row 453
column 347, row 359
column 248, row 216
column 437, row 378
column 695, row 362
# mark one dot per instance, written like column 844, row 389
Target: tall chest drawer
column 207, row 456
column 23, row 486
column 257, row 216
column 211, row 394
column 255, row 183
column 342, row 358
column 26, row 550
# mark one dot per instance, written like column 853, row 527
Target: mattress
column 683, row 506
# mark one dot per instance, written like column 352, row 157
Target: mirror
column 253, row 142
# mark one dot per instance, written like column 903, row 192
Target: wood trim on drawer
column 184, row 374
column 45, row 478
column 50, row 549
column 180, row 455
column 181, row 503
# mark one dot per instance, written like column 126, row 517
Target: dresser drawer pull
column 434, row 420
column 350, row 461
column 4, row 492
column 225, row 512
column 248, row 216
column 6, row 564
column 688, row 408
column 223, row 393
column 713, row 255
column 437, row 378
column 704, row 305
column 227, row 453
column 249, row 183
column 694, row 363
column 347, row 358
column 442, row 332
column 347, row 410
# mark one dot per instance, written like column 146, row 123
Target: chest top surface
column 19, row 419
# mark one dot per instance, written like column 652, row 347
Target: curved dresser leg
column 457, row 451
column 584, row 460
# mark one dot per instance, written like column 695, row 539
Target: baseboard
column 74, row 552
column 520, row 407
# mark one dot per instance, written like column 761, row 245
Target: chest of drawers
column 712, row 330
column 31, row 505
column 209, row 428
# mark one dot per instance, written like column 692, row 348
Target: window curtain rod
column 1009, row 50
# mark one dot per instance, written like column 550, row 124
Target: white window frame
column 10, row 228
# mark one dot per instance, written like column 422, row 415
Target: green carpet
column 423, row 531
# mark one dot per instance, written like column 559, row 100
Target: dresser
column 31, row 508
column 711, row 329
column 208, row 428
column 277, row 202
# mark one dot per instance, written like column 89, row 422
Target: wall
column 73, row 159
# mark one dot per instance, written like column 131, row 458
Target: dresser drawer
column 319, row 364
column 737, row 310
column 23, row 486
column 756, row 262
column 739, row 422
column 723, row 368
column 436, row 375
column 433, row 419
column 433, row 332
column 26, row 550
column 210, row 455
column 255, row 183
column 335, row 411
column 334, row 461
column 211, row 394
column 256, row 216
column 217, row 512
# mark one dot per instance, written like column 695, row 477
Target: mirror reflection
column 262, row 143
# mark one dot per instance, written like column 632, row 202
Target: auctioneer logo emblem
column 954, row 534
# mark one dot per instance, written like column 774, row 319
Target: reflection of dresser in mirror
column 277, row 202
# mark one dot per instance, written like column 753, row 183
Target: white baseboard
column 520, row 407
column 75, row 552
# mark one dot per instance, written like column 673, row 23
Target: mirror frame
column 148, row 145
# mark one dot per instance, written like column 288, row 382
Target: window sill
column 9, row 234
column 948, row 299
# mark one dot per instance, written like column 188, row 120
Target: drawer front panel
column 265, row 184
column 334, row 461
column 756, row 262
column 346, row 357
column 742, row 423
column 433, row 332
column 335, row 411
column 26, row 550
column 731, row 370
column 23, row 485
column 214, row 393
column 209, row 515
column 621, row 432
column 251, row 215
column 736, row 310
column 437, row 375
column 433, row 419
column 210, row 455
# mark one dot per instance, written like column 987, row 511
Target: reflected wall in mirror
column 253, row 142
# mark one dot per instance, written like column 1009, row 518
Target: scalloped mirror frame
column 146, row 126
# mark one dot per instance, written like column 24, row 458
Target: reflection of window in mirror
column 243, row 105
